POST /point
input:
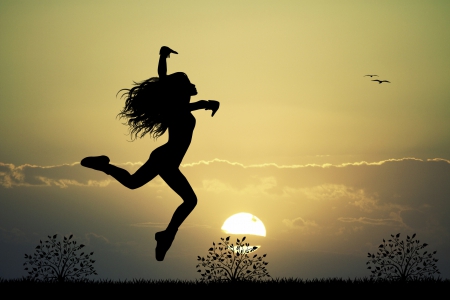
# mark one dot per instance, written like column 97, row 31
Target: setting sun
column 244, row 223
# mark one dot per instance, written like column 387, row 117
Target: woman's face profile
column 189, row 87
column 183, row 85
column 192, row 90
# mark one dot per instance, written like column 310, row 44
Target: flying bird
column 370, row 75
column 381, row 81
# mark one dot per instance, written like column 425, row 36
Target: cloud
column 333, row 192
column 264, row 165
column 266, row 185
column 367, row 193
column 72, row 174
column 300, row 223
column 164, row 225
column 150, row 225
column 342, row 207
column 94, row 238
column 61, row 176
column 369, row 221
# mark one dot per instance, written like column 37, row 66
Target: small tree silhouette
column 56, row 261
column 228, row 262
column 399, row 260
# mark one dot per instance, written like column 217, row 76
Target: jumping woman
column 152, row 107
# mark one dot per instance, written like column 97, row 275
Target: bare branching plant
column 229, row 262
column 59, row 261
column 402, row 260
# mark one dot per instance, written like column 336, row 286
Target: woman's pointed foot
column 164, row 240
column 95, row 162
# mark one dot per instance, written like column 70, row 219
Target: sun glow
column 244, row 223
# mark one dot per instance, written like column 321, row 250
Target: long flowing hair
column 147, row 105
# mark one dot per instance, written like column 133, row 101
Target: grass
column 357, row 288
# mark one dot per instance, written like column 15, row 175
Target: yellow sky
column 289, row 76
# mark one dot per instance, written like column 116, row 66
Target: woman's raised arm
column 164, row 53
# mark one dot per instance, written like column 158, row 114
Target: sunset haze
column 330, row 161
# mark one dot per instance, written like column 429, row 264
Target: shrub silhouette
column 228, row 262
column 400, row 260
column 56, row 261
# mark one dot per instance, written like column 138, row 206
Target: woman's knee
column 132, row 184
column 191, row 200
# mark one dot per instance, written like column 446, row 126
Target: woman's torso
column 180, row 129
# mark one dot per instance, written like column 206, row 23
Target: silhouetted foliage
column 400, row 260
column 56, row 261
column 228, row 262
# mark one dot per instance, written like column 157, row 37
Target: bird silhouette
column 370, row 75
column 381, row 81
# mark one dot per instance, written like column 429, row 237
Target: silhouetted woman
column 152, row 107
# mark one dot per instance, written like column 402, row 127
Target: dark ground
column 280, row 287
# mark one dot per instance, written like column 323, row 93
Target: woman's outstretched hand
column 214, row 106
column 165, row 51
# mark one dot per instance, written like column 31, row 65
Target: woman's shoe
column 165, row 51
column 164, row 240
column 95, row 162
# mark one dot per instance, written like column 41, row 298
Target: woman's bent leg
column 176, row 180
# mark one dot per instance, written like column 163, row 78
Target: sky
column 330, row 161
